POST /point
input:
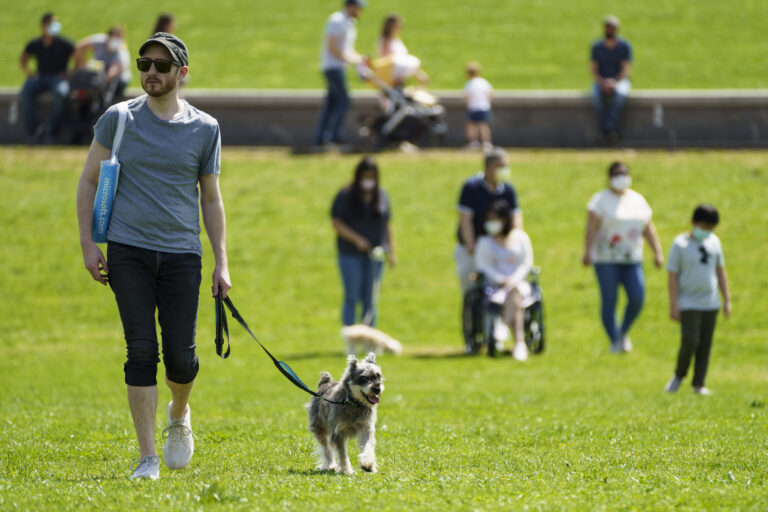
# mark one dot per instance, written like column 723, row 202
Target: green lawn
column 522, row 44
column 573, row 429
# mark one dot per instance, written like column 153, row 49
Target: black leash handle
column 221, row 328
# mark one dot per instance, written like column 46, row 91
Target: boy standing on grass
column 696, row 271
column 478, row 93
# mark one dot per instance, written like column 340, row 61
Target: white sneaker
column 702, row 391
column 673, row 385
column 521, row 351
column 626, row 344
column 147, row 467
column 179, row 444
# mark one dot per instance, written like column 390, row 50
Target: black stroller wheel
column 534, row 327
column 471, row 322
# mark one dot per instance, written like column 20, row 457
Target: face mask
column 114, row 45
column 503, row 173
column 700, row 234
column 54, row 28
column 493, row 227
column 621, row 182
column 368, row 184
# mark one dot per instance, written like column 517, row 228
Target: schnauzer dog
column 334, row 424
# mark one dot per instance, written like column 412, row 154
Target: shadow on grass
column 312, row 472
column 442, row 353
column 312, row 355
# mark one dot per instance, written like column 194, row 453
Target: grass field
column 573, row 429
column 523, row 45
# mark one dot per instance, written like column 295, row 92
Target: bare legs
column 143, row 403
column 180, row 397
column 478, row 133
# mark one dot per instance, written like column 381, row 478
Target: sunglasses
column 161, row 65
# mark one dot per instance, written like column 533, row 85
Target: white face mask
column 113, row 45
column 621, row 182
column 54, row 28
column 368, row 184
column 493, row 227
column 503, row 173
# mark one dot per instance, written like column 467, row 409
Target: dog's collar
column 349, row 399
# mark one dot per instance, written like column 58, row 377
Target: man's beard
column 159, row 87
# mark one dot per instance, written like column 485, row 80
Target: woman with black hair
column 361, row 214
column 505, row 257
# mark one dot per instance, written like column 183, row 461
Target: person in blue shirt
column 477, row 195
column 611, row 61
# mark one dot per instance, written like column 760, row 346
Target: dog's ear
column 370, row 358
column 351, row 361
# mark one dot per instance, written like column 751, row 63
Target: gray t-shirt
column 156, row 206
column 696, row 264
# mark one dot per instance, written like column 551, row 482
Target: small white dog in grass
column 361, row 336
column 334, row 424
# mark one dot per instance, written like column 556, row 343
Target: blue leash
column 223, row 329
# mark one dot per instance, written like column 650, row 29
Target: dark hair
column 494, row 156
column 389, row 25
column 163, row 22
column 503, row 211
column 615, row 165
column 706, row 213
column 46, row 19
column 115, row 31
column 365, row 165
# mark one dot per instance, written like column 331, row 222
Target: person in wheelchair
column 504, row 258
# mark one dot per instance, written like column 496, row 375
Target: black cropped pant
column 144, row 281
column 697, row 329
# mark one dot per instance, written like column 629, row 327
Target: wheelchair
column 480, row 314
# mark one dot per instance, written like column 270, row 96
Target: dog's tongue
column 373, row 399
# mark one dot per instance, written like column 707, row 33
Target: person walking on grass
column 618, row 219
column 153, row 252
column 337, row 52
column 696, row 270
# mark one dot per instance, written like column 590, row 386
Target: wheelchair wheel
column 534, row 327
column 472, row 321
column 489, row 319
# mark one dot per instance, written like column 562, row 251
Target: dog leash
column 222, row 329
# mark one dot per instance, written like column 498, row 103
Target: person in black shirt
column 477, row 195
column 360, row 215
column 52, row 53
column 611, row 61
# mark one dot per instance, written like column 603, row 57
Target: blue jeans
column 335, row 107
column 358, row 274
column 609, row 276
column 33, row 87
column 608, row 108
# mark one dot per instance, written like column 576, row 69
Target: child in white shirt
column 478, row 93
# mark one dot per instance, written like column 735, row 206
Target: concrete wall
column 653, row 119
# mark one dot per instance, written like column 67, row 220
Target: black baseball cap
column 359, row 3
column 172, row 43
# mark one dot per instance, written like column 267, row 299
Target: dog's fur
column 334, row 424
column 371, row 340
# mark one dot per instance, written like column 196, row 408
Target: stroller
column 411, row 115
column 90, row 96
column 480, row 314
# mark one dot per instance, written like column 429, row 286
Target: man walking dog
column 153, row 251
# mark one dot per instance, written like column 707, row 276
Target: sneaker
column 702, row 391
column 179, row 444
column 626, row 344
column 521, row 351
column 673, row 385
column 147, row 467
